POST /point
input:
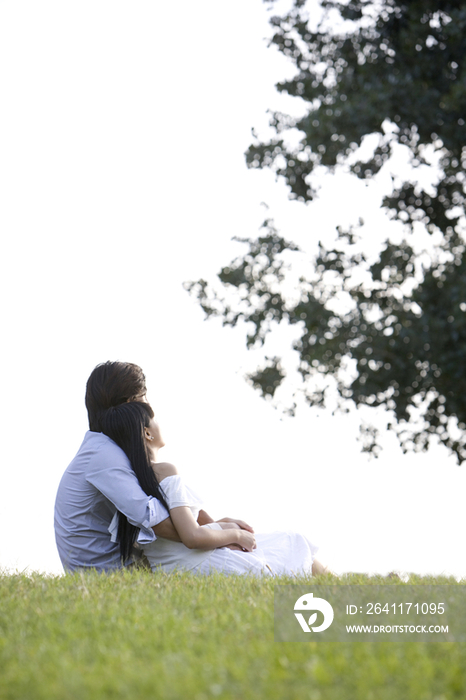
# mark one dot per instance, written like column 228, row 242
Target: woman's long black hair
column 125, row 425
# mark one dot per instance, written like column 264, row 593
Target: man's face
column 140, row 397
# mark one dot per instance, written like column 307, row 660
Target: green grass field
column 134, row 635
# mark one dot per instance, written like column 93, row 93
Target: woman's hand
column 246, row 540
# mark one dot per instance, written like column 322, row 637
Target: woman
column 203, row 547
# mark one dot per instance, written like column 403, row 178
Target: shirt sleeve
column 110, row 472
column 177, row 493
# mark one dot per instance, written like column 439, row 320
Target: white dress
column 277, row 553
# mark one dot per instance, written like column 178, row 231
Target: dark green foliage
column 395, row 70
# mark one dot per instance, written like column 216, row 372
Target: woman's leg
column 233, row 562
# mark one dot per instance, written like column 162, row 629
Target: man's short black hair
column 111, row 384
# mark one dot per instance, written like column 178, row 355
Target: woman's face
column 154, row 435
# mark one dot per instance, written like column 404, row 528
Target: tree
column 389, row 329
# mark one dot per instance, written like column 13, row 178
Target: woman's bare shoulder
column 163, row 469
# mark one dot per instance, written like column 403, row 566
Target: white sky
column 122, row 132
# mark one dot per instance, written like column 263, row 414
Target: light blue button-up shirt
column 99, row 481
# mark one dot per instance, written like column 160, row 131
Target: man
column 100, row 481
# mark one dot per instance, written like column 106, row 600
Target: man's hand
column 204, row 518
column 228, row 526
column 232, row 522
column 167, row 530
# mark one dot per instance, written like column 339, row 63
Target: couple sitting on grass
column 117, row 504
